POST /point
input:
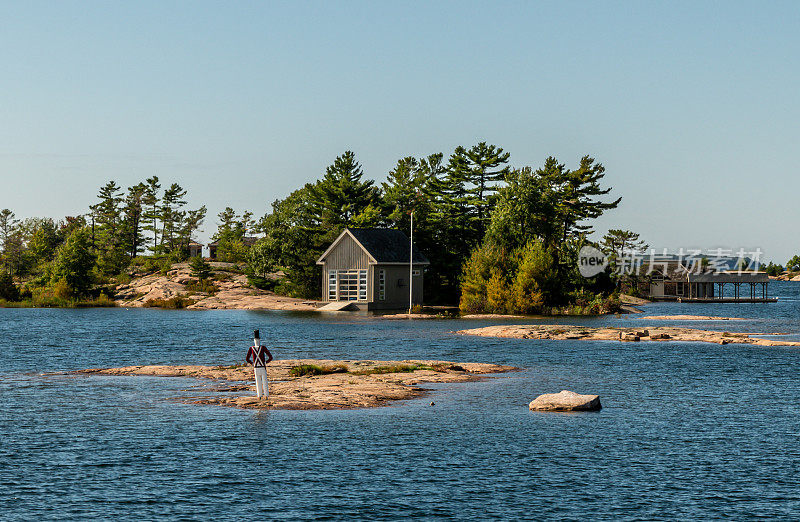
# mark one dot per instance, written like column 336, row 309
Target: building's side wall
column 396, row 292
column 657, row 289
column 346, row 256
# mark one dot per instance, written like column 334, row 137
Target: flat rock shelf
column 660, row 334
column 317, row 384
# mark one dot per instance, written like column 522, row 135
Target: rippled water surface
column 687, row 430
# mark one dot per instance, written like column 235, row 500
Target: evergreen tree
column 617, row 245
column 200, row 268
column 150, row 215
column 524, row 211
column 577, row 191
column 73, row 262
column 341, row 195
column 171, row 214
column 292, row 242
column 43, row 240
column 232, row 227
column 404, row 191
column 8, row 290
column 8, row 224
column 108, row 242
column 620, row 242
column 487, row 166
column 133, row 215
column 191, row 224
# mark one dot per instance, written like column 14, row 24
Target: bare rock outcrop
column 235, row 291
column 565, row 400
column 609, row 333
column 364, row 384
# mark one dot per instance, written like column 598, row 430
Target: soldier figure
column 259, row 357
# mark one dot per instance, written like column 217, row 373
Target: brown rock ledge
column 356, row 389
column 661, row 333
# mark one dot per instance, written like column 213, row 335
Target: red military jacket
column 258, row 356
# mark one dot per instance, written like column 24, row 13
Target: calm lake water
column 687, row 430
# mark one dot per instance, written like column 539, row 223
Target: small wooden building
column 370, row 267
column 195, row 249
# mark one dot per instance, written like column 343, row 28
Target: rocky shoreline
column 235, row 291
column 364, row 384
column 564, row 332
column 689, row 318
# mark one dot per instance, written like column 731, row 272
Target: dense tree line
column 500, row 239
column 78, row 251
column 490, row 231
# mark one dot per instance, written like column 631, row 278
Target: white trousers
column 262, row 386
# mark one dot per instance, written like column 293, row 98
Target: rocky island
column 315, row 384
column 661, row 333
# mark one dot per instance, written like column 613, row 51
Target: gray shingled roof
column 387, row 245
column 729, row 277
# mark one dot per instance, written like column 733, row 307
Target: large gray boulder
column 565, row 401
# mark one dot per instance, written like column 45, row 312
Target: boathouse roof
column 729, row 277
column 383, row 245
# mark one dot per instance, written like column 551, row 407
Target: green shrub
column 394, row 368
column 151, row 265
column 200, row 268
column 232, row 250
column 173, row 303
column 203, row 285
column 495, row 282
column 313, row 369
column 62, row 290
column 8, row 290
column 264, row 283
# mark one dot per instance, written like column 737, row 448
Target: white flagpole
column 411, row 267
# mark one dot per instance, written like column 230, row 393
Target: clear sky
column 692, row 107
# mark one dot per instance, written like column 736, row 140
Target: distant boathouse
column 671, row 278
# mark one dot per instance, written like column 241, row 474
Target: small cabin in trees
column 371, row 268
column 195, row 249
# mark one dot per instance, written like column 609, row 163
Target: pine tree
column 194, row 219
column 108, row 242
column 171, row 214
column 524, row 211
column 73, row 262
column 8, row 223
column 230, row 226
column 577, row 191
column 133, row 215
column 150, row 201
column 341, row 194
column 487, row 167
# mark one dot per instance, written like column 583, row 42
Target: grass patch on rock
column 173, row 303
column 314, row 369
column 202, row 286
column 393, row 368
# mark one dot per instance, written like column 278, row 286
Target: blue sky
column 692, row 107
